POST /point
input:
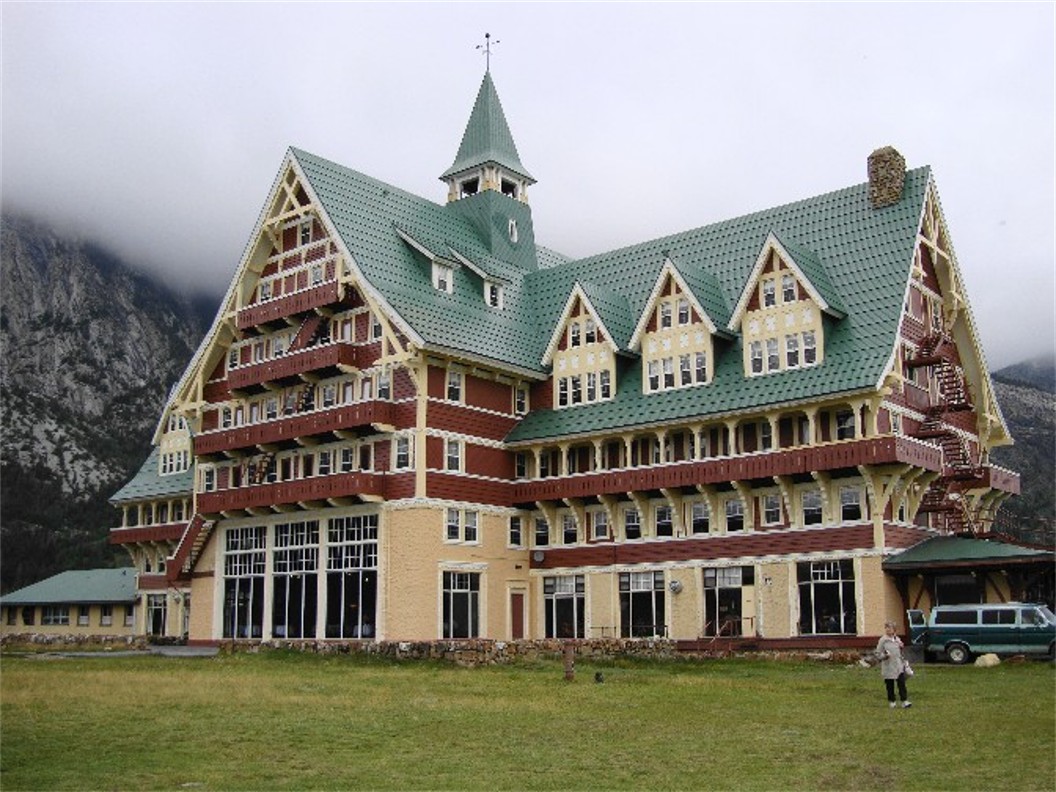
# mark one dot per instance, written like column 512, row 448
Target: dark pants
column 890, row 683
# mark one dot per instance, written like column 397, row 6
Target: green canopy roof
column 945, row 551
column 78, row 586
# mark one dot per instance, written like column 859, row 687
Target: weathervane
column 486, row 46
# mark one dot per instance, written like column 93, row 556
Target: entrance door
column 516, row 615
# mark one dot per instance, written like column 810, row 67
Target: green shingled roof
column 954, row 550
column 148, row 483
column 78, row 586
column 487, row 137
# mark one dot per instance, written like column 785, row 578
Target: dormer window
column 788, row 288
column 493, row 294
column 591, row 332
column 443, row 278
column 665, row 314
column 769, row 293
column 469, row 187
column 509, row 188
column 683, row 311
column 574, row 334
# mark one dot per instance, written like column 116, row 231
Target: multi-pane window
column 106, row 615
column 812, row 507
column 766, row 436
column 454, row 385
column 701, row 366
column 665, row 525
column 590, row 332
column 453, row 525
column 599, row 521
column 562, row 392
column 788, row 288
column 669, row 372
column 592, row 386
column 453, row 456
column 351, row 576
column 82, row 616
column 244, row 563
column 685, row 370
column 520, row 465
column 564, row 605
column 516, row 536
column 156, row 614
column 461, row 526
column 295, row 561
column 773, row 360
column 493, row 294
column 654, row 375
column 700, row 517
column 683, row 311
column 542, row 532
column 520, row 400
column 769, row 293
column 574, row 337
column 577, row 389
column 756, row 353
column 402, row 453
column 771, row 509
column 632, row 524
column 792, row 350
column 569, row 532
column 735, row 515
column 665, row 314
column 845, row 429
column 461, row 605
column 443, row 278
column 605, row 380
column 54, row 615
column 385, row 384
column 642, row 604
column 723, row 600
column 850, row 503
column 810, row 352
column 826, row 597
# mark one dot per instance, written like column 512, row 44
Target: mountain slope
column 89, row 350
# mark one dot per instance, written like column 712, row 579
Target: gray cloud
column 158, row 128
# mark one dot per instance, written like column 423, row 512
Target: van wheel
column 958, row 653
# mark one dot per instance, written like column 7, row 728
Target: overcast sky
column 159, row 128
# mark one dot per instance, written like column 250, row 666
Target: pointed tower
column 488, row 185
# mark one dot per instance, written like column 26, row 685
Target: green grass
column 292, row 721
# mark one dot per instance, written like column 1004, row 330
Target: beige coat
column 889, row 650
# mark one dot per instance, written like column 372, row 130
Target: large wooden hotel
column 409, row 421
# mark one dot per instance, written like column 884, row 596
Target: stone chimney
column 887, row 172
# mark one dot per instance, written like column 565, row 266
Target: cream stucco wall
column 74, row 628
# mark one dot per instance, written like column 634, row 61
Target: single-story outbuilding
column 76, row 602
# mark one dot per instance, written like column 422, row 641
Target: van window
column 956, row 617
column 1000, row 616
column 1032, row 616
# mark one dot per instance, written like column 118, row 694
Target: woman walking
column 893, row 665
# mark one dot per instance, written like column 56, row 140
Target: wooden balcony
column 992, row 477
column 162, row 532
column 787, row 462
column 288, row 305
column 318, row 488
column 348, row 416
column 327, row 356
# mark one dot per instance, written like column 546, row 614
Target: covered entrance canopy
column 956, row 569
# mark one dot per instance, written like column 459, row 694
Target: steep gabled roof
column 487, row 137
column 595, row 299
column 78, row 586
column 705, row 283
column 870, row 250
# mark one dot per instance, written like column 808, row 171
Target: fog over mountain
column 90, row 346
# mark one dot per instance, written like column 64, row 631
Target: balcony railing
column 289, row 366
column 160, row 532
column 293, row 302
column 786, row 462
column 347, row 416
column 339, row 485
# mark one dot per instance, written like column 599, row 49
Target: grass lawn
column 293, row 721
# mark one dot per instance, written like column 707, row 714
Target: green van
column 960, row 631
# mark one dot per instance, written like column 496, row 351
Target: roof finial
column 486, row 46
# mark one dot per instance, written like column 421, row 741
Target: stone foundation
column 75, row 642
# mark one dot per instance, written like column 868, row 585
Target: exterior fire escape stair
column 182, row 561
column 308, row 334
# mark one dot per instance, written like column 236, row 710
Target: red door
column 517, row 615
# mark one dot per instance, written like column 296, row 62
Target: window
column 454, row 385
column 208, row 479
column 512, row 226
column 520, row 401
column 375, row 328
column 577, row 389
column 665, row 525
column 82, row 615
column 317, row 274
column 443, row 278
column 573, row 335
column 130, row 615
column 265, row 290
column 642, row 605
column 812, row 507
column 156, row 614
column 665, row 315
column 669, row 372
column 756, row 352
column 700, row 517
column 520, row 465
column 769, row 294
column 766, row 436
column 723, row 601
column 542, row 532
column 106, row 615
column 28, row 613
column 493, row 294
column 604, row 379
column 792, row 350
column 683, row 311
column 469, row 187
column 54, row 615
column 850, row 503
column 306, row 232
column 701, row 365
column 654, row 375
column 590, row 332
column 599, row 522
column 569, row 529
column 773, row 360
column 232, row 359
column 632, row 524
column 295, row 560
column 810, row 353
column 244, row 563
column 592, row 386
column 788, row 288
column 403, row 453
column 562, row 392
column 516, row 538
column 826, row 597
column 563, row 602
column 351, row 576
column 845, row 429
column 685, row 370
column 735, row 515
column 461, row 605
column 771, row 509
